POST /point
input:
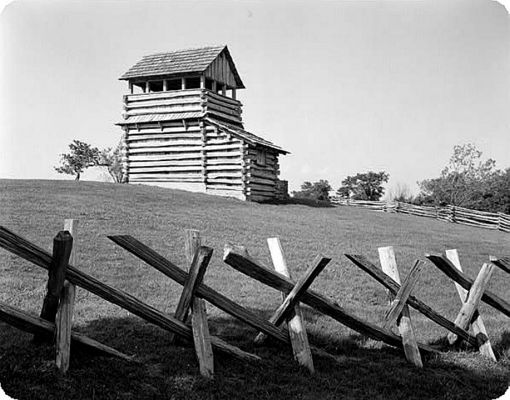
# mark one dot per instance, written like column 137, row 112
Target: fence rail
column 455, row 214
column 57, row 310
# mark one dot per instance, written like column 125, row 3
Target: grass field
column 363, row 369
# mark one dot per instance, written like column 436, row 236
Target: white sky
column 345, row 86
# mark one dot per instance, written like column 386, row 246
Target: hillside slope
column 157, row 217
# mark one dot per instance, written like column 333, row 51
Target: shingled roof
column 180, row 62
column 245, row 135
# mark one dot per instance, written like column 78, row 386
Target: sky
column 345, row 86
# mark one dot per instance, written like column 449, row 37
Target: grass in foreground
column 157, row 217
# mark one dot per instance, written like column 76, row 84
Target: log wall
column 223, row 163
column 181, row 102
column 168, row 155
column 190, row 155
column 261, row 179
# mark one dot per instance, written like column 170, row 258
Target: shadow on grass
column 502, row 346
column 165, row 371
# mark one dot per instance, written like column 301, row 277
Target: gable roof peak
column 178, row 62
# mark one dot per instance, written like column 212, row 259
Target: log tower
column 183, row 128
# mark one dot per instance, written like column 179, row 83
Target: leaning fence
column 460, row 215
column 55, row 321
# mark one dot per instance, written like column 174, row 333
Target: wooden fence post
column 62, row 246
column 200, row 327
column 398, row 304
column 470, row 306
column 477, row 323
column 64, row 318
column 197, row 267
column 301, row 286
column 411, row 350
column 295, row 322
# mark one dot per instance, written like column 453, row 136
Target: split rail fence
column 55, row 319
column 454, row 214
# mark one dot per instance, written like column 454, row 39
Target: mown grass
column 362, row 369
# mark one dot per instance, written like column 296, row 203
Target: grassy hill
column 156, row 216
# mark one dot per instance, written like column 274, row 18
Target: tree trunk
column 77, row 176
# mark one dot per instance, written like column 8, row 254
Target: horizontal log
column 162, row 110
column 28, row 251
column 166, row 148
column 232, row 169
column 222, row 140
column 149, row 144
column 155, row 181
column 280, row 282
column 224, row 184
column 417, row 304
column 224, row 116
column 226, row 104
column 453, row 273
column 268, row 182
column 229, row 146
column 157, row 152
column 40, row 327
column 230, row 162
column 141, row 97
column 165, row 169
column 211, row 106
column 212, row 186
column 164, row 102
column 208, row 94
column 226, row 154
column 164, row 131
column 175, row 163
column 192, row 133
column 165, row 157
column 155, row 260
column 266, row 174
column 254, row 188
column 165, row 177
column 224, row 173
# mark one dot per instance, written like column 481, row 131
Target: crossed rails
column 192, row 306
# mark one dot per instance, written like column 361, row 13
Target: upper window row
column 179, row 84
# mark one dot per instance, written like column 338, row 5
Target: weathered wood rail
column 57, row 311
column 455, row 214
column 32, row 253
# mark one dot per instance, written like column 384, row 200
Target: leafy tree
column 497, row 197
column 81, row 156
column 466, row 181
column 364, row 186
column 317, row 190
column 112, row 159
